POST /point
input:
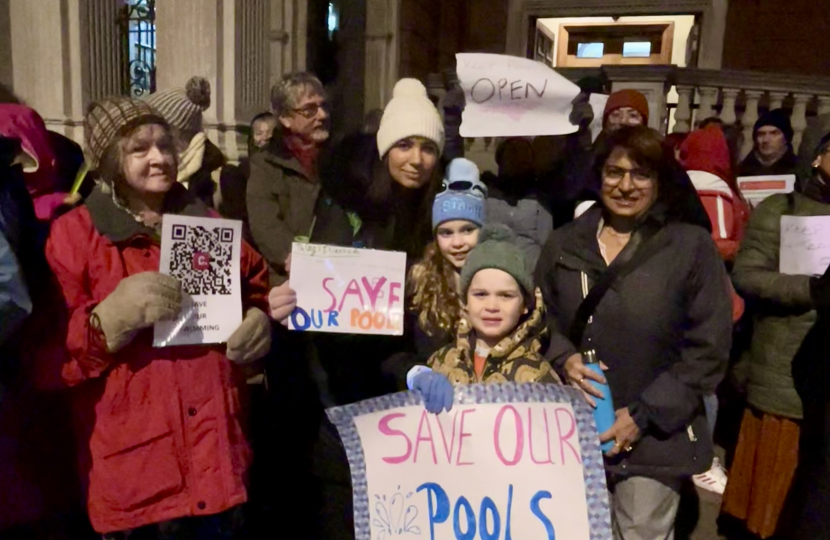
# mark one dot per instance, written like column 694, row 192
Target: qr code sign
column 201, row 259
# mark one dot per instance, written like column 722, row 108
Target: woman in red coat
column 160, row 430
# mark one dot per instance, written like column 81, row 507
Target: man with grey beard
column 283, row 187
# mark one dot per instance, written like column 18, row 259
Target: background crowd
column 632, row 251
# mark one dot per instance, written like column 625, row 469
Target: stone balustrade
column 736, row 97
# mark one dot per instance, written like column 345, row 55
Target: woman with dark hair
column 376, row 192
column 638, row 285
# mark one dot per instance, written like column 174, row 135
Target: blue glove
column 436, row 390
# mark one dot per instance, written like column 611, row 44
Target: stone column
column 683, row 114
column 381, row 71
column 749, row 118
column 287, row 32
column 727, row 113
column 46, row 60
column 225, row 42
column 708, row 99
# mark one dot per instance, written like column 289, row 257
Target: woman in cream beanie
column 377, row 193
column 386, row 181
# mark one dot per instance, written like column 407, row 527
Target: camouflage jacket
column 516, row 358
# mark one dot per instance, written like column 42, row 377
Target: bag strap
column 643, row 244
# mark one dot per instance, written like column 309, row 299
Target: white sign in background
column 204, row 254
column 347, row 290
column 508, row 96
column 805, row 245
column 503, row 470
column 757, row 188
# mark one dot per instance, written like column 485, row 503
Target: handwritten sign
column 347, row 290
column 805, row 245
column 508, row 461
column 204, row 255
column 757, row 188
column 598, row 103
column 511, row 96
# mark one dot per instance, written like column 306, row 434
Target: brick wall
column 784, row 36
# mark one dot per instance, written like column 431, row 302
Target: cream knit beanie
column 410, row 113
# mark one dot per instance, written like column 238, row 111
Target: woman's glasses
column 613, row 175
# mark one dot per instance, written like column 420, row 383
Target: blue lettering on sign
column 438, row 504
column 537, row 511
column 301, row 320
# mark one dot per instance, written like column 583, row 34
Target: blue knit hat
column 462, row 195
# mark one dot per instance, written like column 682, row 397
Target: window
column 590, row 50
column 333, row 20
column 138, row 24
column 626, row 43
column 636, row 49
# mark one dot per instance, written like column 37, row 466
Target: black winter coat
column 808, row 507
column 664, row 331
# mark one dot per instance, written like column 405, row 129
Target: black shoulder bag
column 643, row 244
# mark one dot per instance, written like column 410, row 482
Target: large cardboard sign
column 510, row 460
column 508, row 96
column 347, row 290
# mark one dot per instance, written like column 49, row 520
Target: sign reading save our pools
column 347, row 290
column 509, row 461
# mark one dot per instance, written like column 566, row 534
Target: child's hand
column 436, row 390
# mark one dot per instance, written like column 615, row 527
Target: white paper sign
column 204, row 255
column 805, row 245
column 757, row 188
column 347, row 290
column 510, row 96
column 598, row 103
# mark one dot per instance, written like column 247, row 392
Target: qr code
column 201, row 259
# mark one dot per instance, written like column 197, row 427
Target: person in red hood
column 705, row 156
column 42, row 181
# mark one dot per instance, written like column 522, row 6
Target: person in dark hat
column 773, row 151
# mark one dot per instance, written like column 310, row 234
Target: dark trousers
column 225, row 526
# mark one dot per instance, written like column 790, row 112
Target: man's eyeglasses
column 311, row 110
column 464, row 185
column 614, row 175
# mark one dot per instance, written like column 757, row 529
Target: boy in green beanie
column 499, row 339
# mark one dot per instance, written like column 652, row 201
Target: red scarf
column 306, row 153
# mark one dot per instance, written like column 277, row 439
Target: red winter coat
column 160, row 430
column 705, row 155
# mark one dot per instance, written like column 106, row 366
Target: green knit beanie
column 498, row 248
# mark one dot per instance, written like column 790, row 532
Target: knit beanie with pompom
column 498, row 248
column 410, row 113
column 183, row 107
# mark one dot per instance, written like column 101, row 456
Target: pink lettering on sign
column 566, row 417
column 424, row 436
column 517, row 422
column 383, row 427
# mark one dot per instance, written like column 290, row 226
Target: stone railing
column 680, row 98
